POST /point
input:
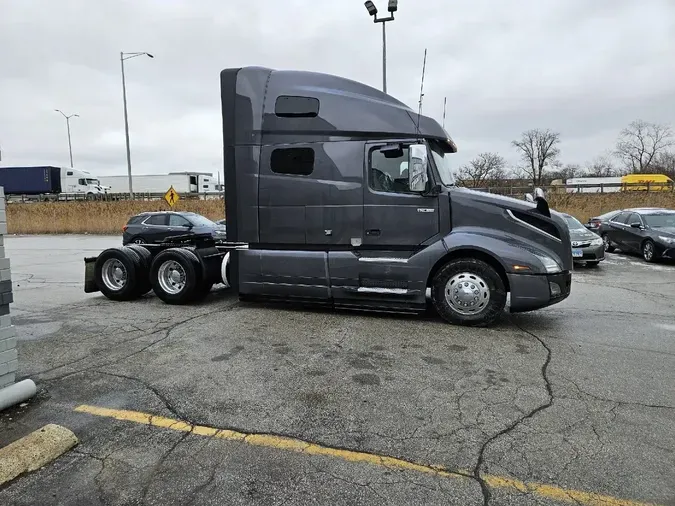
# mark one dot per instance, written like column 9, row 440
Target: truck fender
column 501, row 254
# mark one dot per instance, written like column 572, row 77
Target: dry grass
column 109, row 217
column 586, row 206
column 94, row 217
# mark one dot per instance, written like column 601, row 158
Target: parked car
column 648, row 231
column 153, row 227
column 587, row 246
column 598, row 224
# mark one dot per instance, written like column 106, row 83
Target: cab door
column 393, row 215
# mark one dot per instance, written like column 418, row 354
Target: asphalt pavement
column 227, row 402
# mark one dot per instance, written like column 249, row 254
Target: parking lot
column 228, row 402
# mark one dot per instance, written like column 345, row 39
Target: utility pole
column 127, row 56
column 70, row 145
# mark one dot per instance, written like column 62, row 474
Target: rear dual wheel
column 177, row 276
column 122, row 273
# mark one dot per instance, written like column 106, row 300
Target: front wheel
column 609, row 248
column 649, row 251
column 468, row 291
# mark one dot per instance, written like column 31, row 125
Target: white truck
column 182, row 182
column 593, row 184
column 49, row 181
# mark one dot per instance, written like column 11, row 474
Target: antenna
column 419, row 111
column 445, row 101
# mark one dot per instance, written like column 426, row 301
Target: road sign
column 171, row 196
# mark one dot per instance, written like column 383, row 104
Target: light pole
column 372, row 10
column 128, row 56
column 70, row 146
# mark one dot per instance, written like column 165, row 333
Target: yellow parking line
column 552, row 492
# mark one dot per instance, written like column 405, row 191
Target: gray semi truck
column 338, row 194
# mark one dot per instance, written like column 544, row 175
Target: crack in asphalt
column 167, row 333
column 613, row 401
column 160, row 463
column 485, row 488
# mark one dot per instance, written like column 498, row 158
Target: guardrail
column 503, row 188
column 66, row 197
column 595, row 188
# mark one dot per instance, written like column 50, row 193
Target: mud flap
column 89, row 279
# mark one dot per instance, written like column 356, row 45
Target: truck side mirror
column 417, row 168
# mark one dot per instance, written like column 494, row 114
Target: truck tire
column 116, row 273
column 468, row 291
column 143, row 277
column 176, row 276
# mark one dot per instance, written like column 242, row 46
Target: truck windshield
column 92, row 181
column 442, row 161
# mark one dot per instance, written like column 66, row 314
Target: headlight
column 550, row 265
column 596, row 242
column 667, row 240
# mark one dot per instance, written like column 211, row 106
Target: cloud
column 583, row 68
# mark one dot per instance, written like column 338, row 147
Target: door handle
column 373, row 231
column 425, row 209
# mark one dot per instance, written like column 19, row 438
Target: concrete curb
column 34, row 451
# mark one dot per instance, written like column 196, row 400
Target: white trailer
column 182, row 182
column 593, row 184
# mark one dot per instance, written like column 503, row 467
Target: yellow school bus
column 644, row 182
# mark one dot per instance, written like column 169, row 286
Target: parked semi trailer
column 339, row 194
column 182, row 182
column 49, row 180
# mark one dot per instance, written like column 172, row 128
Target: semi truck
column 341, row 195
column 182, row 182
column 49, row 180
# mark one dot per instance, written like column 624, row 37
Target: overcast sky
column 585, row 68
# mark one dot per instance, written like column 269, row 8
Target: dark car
column 587, row 246
column 598, row 224
column 650, row 232
column 153, row 227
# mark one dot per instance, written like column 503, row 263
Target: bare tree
column 664, row 163
column 485, row 167
column 641, row 142
column 564, row 172
column 538, row 149
column 603, row 166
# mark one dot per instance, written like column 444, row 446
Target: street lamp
column 70, row 146
column 128, row 56
column 372, row 10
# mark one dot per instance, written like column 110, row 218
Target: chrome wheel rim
column 171, row 277
column 467, row 293
column 605, row 241
column 114, row 274
column 648, row 251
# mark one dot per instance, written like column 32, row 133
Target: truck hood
column 499, row 200
column 488, row 212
